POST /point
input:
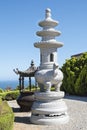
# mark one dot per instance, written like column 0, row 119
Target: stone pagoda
column 49, row 108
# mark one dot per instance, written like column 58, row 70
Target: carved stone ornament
column 49, row 108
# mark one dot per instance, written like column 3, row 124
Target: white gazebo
column 49, row 107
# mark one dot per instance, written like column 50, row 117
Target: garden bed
column 6, row 116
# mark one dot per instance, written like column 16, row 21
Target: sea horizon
column 4, row 84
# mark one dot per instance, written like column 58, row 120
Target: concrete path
column 77, row 110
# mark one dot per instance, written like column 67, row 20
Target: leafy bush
column 75, row 75
column 9, row 95
column 6, row 116
column 1, row 90
column 81, row 83
column 2, row 95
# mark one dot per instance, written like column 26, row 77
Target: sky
column 19, row 24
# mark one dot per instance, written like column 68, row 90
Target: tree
column 81, row 83
column 75, row 72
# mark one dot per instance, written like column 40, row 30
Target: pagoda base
column 49, row 109
column 50, row 120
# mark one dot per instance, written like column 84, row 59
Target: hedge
column 9, row 95
column 6, row 116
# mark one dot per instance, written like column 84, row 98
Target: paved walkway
column 77, row 110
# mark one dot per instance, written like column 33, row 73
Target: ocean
column 13, row 84
column 9, row 83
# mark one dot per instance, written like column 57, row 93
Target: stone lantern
column 49, row 108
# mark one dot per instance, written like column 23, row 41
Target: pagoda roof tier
column 27, row 73
column 49, row 44
column 50, row 32
column 48, row 22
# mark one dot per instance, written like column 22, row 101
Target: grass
column 6, row 116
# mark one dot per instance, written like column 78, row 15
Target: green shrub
column 81, row 83
column 2, row 95
column 6, row 116
column 9, row 95
column 75, row 75
column 1, row 90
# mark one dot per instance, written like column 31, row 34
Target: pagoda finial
column 48, row 13
column 32, row 63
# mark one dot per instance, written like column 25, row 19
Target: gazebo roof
column 27, row 73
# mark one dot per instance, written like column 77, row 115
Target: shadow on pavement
column 16, row 109
column 25, row 120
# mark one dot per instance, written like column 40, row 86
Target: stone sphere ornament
column 49, row 107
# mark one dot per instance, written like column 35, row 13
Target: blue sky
column 19, row 23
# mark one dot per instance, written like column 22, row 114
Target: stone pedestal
column 49, row 109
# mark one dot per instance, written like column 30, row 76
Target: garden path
column 77, row 110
